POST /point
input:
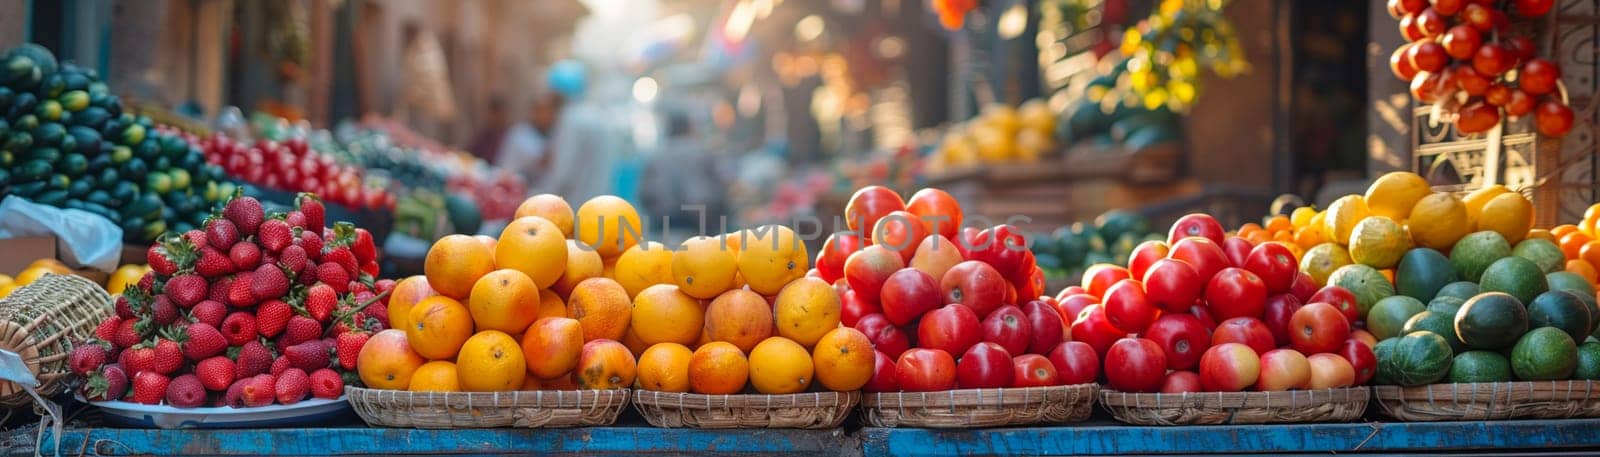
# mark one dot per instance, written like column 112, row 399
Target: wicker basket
column 530, row 409
column 1490, row 401
column 808, row 410
column 41, row 322
column 1212, row 408
column 973, row 408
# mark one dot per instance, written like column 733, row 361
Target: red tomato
column 1033, row 286
column 1195, row 224
column 1427, row 86
column 1361, row 357
column 1521, row 48
column 1462, row 41
column 926, row 370
column 1182, row 338
column 1304, row 287
column 1491, row 60
column 1330, row 371
column 1073, row 306
column 1431, row 22
column 938, row 211
column 1144, row 255
column 1284, row 369
column 1180, row 381
column 1229, row 367
column 1009, row 252
column 907, row 294
column 852, row 308
column 1341, row 299
column 1477, row 117
column 1448, row 7
column 1008, row 327
column 1044, row 325
column 885, row 337
column 1204, row 255
column 1100, row 277
column 1237, row 250
column 883, row 374
column 1275, row 265
column 1127, row 307
column 867, row 269
column 1070, row 291
column 1076, row 362
column 1279, row 309
column 1093, row 328
column 985, row 365
column 1236, row 292
column 1519, row 104
column 1400, row 65
column 952, row 329
column 1244, row 330
column 1532, row 8
column 1317, row 328
column 869, row 204
column 1470, row 81
column 1172, row 285
column 1033, row 370
column 1478, row 16
column 835, row 251
column 1135, row 365
column 975, row 284
column 1553, row 118
column 1409, row 29
column 1428, row 56
column 901, row 232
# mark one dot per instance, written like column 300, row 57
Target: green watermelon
column 1541, row 252
column 1588, row 367
column 1474, row 252
column 1544, row 354
column 1480, row 366
column 1388, row 317
column 1384, row 350
column 1440, row 324
column 1463, row 290
column 1422, row 272
column 1418, row 358
column 1447, row 306
column 1516, row 276
column 1492, row 320
column 1366, row 283
column 1569, row 281
column 1562, row 310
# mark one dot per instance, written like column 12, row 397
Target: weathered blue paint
column 1111, row 438
column 377, row 441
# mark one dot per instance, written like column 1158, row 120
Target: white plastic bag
column 86, row 238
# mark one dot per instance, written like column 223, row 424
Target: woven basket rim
column 1423, row 392
column 1002, row 396
column 1115, row 398
column 794, row 400
column 806, row 410
column 401, row 408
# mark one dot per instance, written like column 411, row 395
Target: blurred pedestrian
column 492, row 133
column 582, row 146
column 525, row 149
column 681, row 183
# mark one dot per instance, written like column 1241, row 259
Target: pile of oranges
column 1579, row 242
column 567, row 299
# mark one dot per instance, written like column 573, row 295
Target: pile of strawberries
column 253, row 310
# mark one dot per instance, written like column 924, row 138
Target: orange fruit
column 550, row 207
column 1590, row 252
column 739, row 317
column 1584, row 269
column 1394, row 194
column 1510, row 214
column 491, row 361
column 435, row 376
column 663, row 314
column 605, row 364
column 535, row 247
column 567, row 381
column 608, row 268
column 644, row 265
column 407, row 293
column 387, row 361
column 1591, row 221
column 454, row 264
column 772, row 258
column 1279, row 223
column 531, row 383
column 665, row 368
column 551, row 305
column 1563, row 229
column 602, row 307
column 550, row 346
column 1573, row 242
column 487, row 241
column 780, row 366
column 718, row 368
column 844, row 359
column 504, row 300
column 438, row 326
column 1248, row 229
column 704, row 267
column 581, row 264
column 807, row 309
column 51, row 265
column 634, row 344
column 608, row 225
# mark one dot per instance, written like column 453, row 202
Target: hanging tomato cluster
column 953, row 13
column 1462, row 56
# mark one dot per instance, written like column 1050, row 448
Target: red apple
column 1237, row 250
column 1284, row 369
column 1033, row 286
column 975, row 284
column 1196, row 224
column 852, row 308
column 1204, row 255
column 1070, row 291
column 1008, row 327
column 867, row 269
column 1341, row 299
column 926, row 370
column 1073, row 306
column 971, row 241
column 1076, row 362
column 1144, row 255
column 1280, row 308
column 938, row 210
column 1044, row 325
column 1178, row 382
column 869, row 204
column 907, row 294
column 1135, row 365
column 1275, row 265
column 1172, row 285
column 1317, row 328
column 935, row 256
column 952, row 328
column 1330, row 371
column 1361, row 358
column 1236, row 292
column 1244, row 330
column 1182, row 338
column 1009, row 252
column 1099, row 277
column 1093, row 328
column 1304, row 287
column 901, row 232
column 983, row 366
column 1127, row 307
column 1229, row 367
column 835, row 251
column 1203, row 313
column 883, row 374
column 885, row 337
column 1033, row 370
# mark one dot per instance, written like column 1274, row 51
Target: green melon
column 1418, row 358
column 1422, row 272
column 1366, row 283
column 1474, row 252
column 1491, row 320
column 1480, row 366
column 1388, row 318
column 1562, row 310
column 1544, row 354
column 1516, row 276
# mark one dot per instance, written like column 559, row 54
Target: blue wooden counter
column 1114, row 438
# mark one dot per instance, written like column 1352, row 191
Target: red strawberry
column 252, row 359
column 220, row 287
column 139, row 358
column 308, row 205
column 363, row 247
column 292, row 386
column 383, row 285
column 239, row 328
column 294, row 258
column 348, row 346
column 279, row 365
column 107, row 330
column 326, row 383
column 216, row 373
column 108, row 384
column 320, row 302
column 245, row 213
column 377, row 311
column 162, row 311
column 259, row 392
column 159, row 261
column 124, row 306
column 343, row 257
column 186, row 290
column 211, row 312
column 268, row 282
column 272, row 316
column 312, row 243
column 241, row 293
column 275, row 235
column 245, row 255
column 203, row 341
column 186, row 392
column 357, row 288
column 213, row 263
column 234, row 398
column 149, row 387
column 300, row 329
column 147, row 283
column 370, row 269
column 87, row 358
column 128, row 334
column 221, row 232
column 197, row 238
column 168, row 357
column 295, row 219
column 335, row 276
column 309, row 355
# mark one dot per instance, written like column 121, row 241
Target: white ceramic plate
column 307, row 412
